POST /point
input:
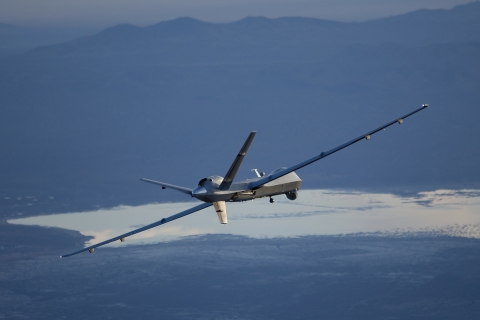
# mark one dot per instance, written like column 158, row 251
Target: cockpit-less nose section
column 217, row 191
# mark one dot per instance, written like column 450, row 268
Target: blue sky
column 104, row 13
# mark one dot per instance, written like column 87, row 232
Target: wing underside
column 276, row 175
column 152, row 225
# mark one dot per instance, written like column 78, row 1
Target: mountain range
column 15, row 39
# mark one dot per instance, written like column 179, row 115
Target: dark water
column 233, row 277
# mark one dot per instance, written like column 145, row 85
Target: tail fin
column 232, row 172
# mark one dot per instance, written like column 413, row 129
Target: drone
column 217, row 191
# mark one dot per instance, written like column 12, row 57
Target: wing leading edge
column 260, row 182
column 123, row 236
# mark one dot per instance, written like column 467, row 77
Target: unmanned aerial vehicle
column 217, row 191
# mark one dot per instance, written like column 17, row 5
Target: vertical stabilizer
column 221, row 210
column 232, row 172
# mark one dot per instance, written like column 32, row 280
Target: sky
column 105, row 13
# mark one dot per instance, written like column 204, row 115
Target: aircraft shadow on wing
column 216, row 190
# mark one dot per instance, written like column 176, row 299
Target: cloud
column 315, row 212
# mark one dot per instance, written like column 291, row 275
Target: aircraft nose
column 199, row 192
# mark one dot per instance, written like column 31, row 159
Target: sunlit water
column 315, row 212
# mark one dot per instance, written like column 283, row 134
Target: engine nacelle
column 292, row 195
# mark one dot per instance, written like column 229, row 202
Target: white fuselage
column 208, row 189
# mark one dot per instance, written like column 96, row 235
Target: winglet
column 232, row 172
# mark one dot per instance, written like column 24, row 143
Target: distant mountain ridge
column 17, row 39
column 422, row 27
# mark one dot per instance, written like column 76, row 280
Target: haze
column 104, row 13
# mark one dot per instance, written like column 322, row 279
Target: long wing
column 171, row 186
column 232, row 172
column 123, row 236
column 260, row 182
